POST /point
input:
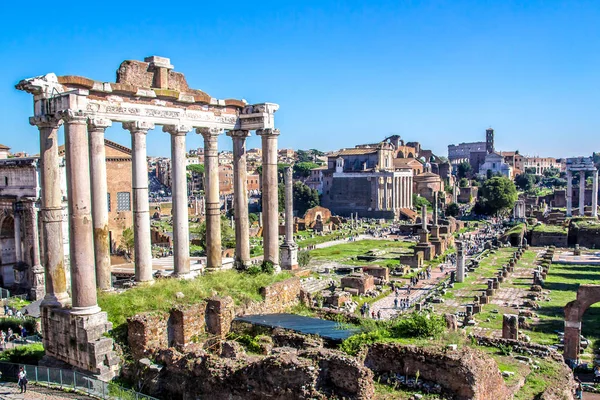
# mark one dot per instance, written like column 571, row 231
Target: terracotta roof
column 3, row 147
column 400, row 162
column 409, row 213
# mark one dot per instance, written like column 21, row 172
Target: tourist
column 597, row 374
column 396, row 302
column 23, row 331
column 578, row 389
column 10, row 312
column 379, row 314
column 9, row 334
column 22, row 376
column 373, row 314
column 6, row 309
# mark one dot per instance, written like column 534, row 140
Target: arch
column 7, row 227
column 574, row 310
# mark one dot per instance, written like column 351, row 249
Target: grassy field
column 346, row 253
column 161, row 295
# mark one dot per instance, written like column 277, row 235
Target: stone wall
column 548, row 239
column 182, row 326
column 467, row 374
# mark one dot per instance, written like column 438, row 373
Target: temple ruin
column 145, row 94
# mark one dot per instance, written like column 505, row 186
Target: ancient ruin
column 145, row 94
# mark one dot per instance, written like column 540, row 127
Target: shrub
column 254, row 270
column 418, row 325
column 13, row 323
column 353, row 344
column 303, row 258
column 267, row 267
column 28, row 354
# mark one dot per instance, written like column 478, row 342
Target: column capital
column 238, row 133
column 73, row 117
column 267, row 132
column 46, row 121
column 209, row 132
column 138, row 126
column 99, row 123
column 177, row 130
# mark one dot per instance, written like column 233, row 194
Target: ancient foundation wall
column 182, row 326
column 79, row 341
column 548, row 239
column 467, row 374
column 589, row 238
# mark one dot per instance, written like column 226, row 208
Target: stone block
column 510, row 326
column 361, row 282
column 220, row 313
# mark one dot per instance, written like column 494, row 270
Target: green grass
column 347, row 252
column 550, row 229
column 161, row 295
column 27, row 354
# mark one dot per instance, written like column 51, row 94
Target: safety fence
column 70, row 380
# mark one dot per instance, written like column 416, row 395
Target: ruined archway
column 574, row 310
column 7, row 228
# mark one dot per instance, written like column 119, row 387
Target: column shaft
column 214, row 258
column 270, row 200
column 96, row 129
column 37, row 287
column 81, row 242
column 569, row 193
column 51, row 213
column 18, row 244
column 141, row 212
column 240, row 199
column 289, row 206
column 595, row 194
column 582, row 193
column 181, row 227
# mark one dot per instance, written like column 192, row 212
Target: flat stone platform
column 567, row 257
column 166, row 264
column 328, row 330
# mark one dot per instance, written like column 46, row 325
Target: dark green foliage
column 419, row 202
column 29, row 354
column 13, row 323
column 496, row 196
column 525, row 181
column 302, row 169
column 452, row 210
column 227, row 234
column 303, row 258
column 464, row 182
column 196, row 168
column 304, row 197
column 464, row 169
column 267, row 267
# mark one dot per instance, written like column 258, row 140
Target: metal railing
column 71, row 380
column 5, row 294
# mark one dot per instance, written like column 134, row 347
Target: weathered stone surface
column 510, row 327
column 283, row 338
column 361, row 282
column 219, row 314
column 451, row 322
column 467, row 374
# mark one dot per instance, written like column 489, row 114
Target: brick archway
column 574, row 310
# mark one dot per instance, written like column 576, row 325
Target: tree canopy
column 496, row 196
column 464, row 169
column 452, row 210
column 304, row 197
column 525, row 181
column 302, row 169
column 197, row 168
column 227, row 234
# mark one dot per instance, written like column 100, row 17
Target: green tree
column 464, row 169
column 302, row 169
column 304, row 197
column 452, row 210
column 419, row 201
column 197, row 168
column 496, row 196
column 303, row 258
column 489, row 174
column 464, row 182
column 525, row 181
column 128, row 240
column 530, row 170
column 552, row 172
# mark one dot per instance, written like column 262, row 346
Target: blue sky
column 343, row 72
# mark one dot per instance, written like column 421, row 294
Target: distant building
column 4, row 152
column 495, row 162
column 315, row 180
column 474, row 153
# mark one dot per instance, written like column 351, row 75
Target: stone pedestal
column 427, row 248
column 510, row 327
column 79, row 341
column 289, row 256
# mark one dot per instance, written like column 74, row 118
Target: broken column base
column 289, row 256
column 427, row 249
column 78, row 340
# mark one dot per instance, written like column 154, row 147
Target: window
column 6, row 181
column 123, row 201
column 108, row 201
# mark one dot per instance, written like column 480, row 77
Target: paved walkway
column 386, row 305
column 10, row 391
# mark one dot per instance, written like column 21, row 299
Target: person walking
column 396, row 302
column 379, row 315
column 22, row 376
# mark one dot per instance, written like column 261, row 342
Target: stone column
column 141, row 206
column 424, row 218
column 81, row 240
column 386, row 194
column 460, row 262
column 435, row 208
column 214, row 258
column 270, row 199
column 569, row 193
column 181, row 228
column 289, row 249
column 18, row 244
column 240, row 194
column 37, row 285
column 595, row 193
column 582, row 193
column 51, row 213
column 96, row 128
